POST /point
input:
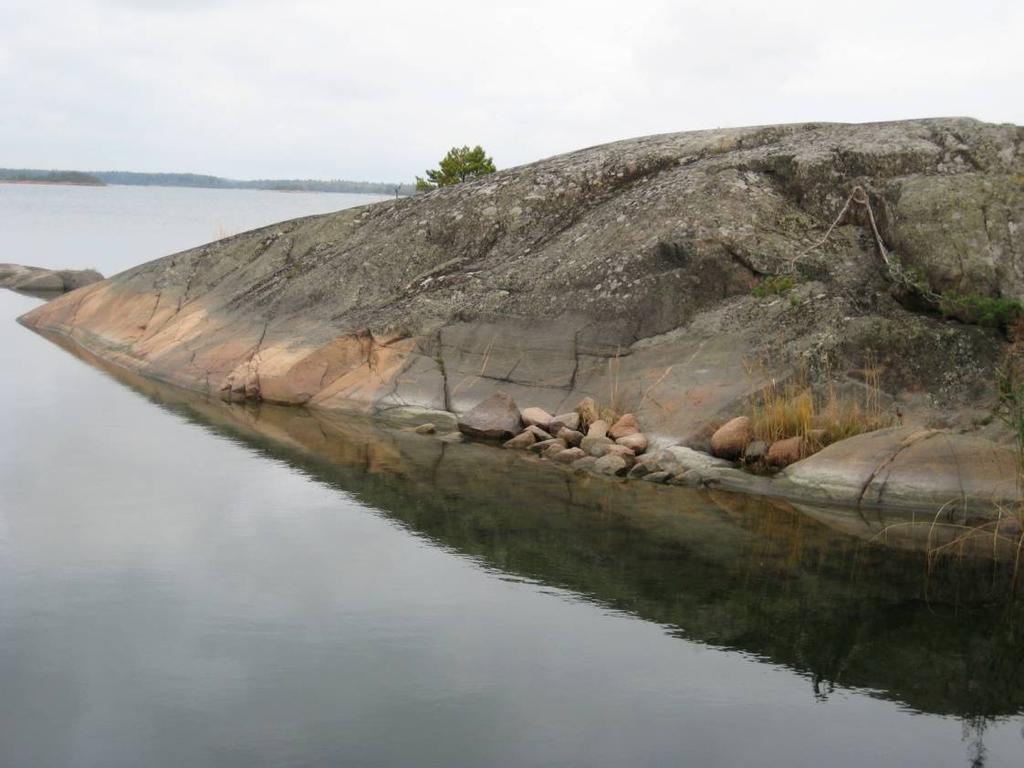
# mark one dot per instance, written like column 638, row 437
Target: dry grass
column 795, row 409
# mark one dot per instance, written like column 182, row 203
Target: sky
column 380, row 90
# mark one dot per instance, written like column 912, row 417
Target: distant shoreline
column 52, row 182
column 200, row 181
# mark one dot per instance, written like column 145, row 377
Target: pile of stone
column 735, row 441
column 586, row 442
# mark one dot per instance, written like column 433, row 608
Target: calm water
column 185, row 582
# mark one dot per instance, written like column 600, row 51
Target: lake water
column 185, row 582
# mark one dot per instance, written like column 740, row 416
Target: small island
column 76, row 178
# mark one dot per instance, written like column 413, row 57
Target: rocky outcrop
column 38, row 280
column 625, row 273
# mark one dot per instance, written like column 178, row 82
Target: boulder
column 496, row 418
column 908, row 467
column 571, row 436
column 588, row 411
column 756, row 451
column 596, row 446
column 619, row 450
column 612, row 464
column 570, row 455
column 567, row 421
column 539, row 433
column 785, row 452
column 625, row 425
column 678, row 458
column 598, row 428
column 425, row 429
column 731, row 439
column 637, row 442
column 554, row 449
column 543, row 445
column 586, row 464
column 522, row 441
column 536, row 417
column 657, row 477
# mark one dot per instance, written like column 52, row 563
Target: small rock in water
column 522, row 440
column 536, row 417
column 657, row 477
column 569, row 455
column 612, row 465
column 732, row 438
column 425, row 429
column 625, row 426
column 586, row 464
column 554, row 449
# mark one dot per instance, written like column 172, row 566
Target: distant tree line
column 50, row 177
column 133, row 178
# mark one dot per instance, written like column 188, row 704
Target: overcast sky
column 379, row 90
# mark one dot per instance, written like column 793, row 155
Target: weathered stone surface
column 588, row 411
column 569, row 420
column 571, row 436
column 536, row 417
column 637, row 442
column 24, row 278
column 625, row 425
column 612, row 464
column 425, row 429
column 522, row 440
column 731, row 439
column 907, row 466
column 678, row 459
column 784, row 452
column 598, row 428
column 428, row 302
column 496, row 418
column 570, row 455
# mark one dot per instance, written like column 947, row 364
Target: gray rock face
column 21, row 278
column 652, row 247
column 496, row 418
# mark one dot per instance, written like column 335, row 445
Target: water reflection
column 750, row 575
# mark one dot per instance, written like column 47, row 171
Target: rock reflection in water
column 815, row 590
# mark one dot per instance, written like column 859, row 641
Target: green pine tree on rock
column 460, row 164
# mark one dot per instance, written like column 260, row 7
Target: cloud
column 381, row 90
